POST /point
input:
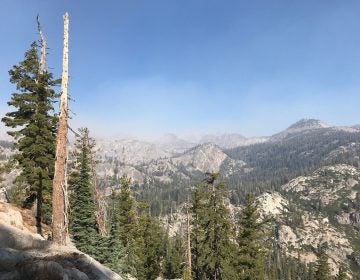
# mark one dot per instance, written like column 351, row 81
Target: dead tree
column 100, row 213
column 59, row 195
column 42, row 63
column 37, row 207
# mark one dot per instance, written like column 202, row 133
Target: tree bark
column 42, row 70
column 42, row 63
column 100, row 213
column 59, row 211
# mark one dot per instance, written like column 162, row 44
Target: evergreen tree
column 83, row 227
column 34, row 138
column 151, row 243
column 251, row 242
column 126, row 212
column 136, row 242
column 212, row 247
column 174, row 258
column 198, row 210
column 322, row 266
column 123, row 225
column 114, row 249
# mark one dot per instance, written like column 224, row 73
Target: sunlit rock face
column 24, row 254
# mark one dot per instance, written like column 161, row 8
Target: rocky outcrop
column 201, row 159
column 272, row 204
column 204, row 158
column 327, row 184
column 27, row 255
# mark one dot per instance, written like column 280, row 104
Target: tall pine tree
column 83, row 226
column 126, row 211
column 150, row 246
column 114, row 248
column 250, row 242
column 322, row 266
column 212, row 247
column 123, row 226
column 33, row 126
column 174, row 258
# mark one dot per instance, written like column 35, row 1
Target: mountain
column 308, row 147
column 204, row 158
column 129, row 151
column 302, row 126
column 192, row 163
column 133, row 152
column 265, row 166
column 173, row 143
column 309, row 126
column 231, row 140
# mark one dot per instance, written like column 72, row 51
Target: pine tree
column 212, row 246
column 322, row 266
column 174, row 258
column 114, row 248
column 82, row 219
column 136, row 243
column 198, row 210
column 126, row 212
column 123, row 229
column 250, row 242
column 151, row 243
column 34, row 138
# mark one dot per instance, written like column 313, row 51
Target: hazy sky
column 194, row 66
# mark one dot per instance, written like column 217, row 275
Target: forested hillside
column 296, row 151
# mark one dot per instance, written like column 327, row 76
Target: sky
column 145, row 68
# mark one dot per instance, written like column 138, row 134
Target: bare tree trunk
column 100, row 213
column 42, row 70
column 59, row 195
column 42, row 63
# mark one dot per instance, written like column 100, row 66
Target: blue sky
column 195, row 66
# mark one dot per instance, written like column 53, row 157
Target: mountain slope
column 321, row 208
column 325, row 210
column 275, row 162
column 129, row 151
column 192, row 163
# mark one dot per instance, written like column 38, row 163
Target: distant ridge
column 308, row 124
column 301, row 126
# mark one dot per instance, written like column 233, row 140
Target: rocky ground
column 24, row 254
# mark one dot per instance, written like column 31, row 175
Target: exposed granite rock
column 27, row 255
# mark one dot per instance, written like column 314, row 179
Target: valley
column 306, row 179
